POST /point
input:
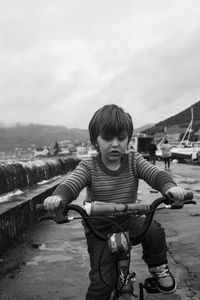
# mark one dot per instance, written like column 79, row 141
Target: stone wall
column 19, row 213
column 22, row 175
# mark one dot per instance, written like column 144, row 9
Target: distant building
column 43, row 151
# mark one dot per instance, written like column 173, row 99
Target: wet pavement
column 51, row 261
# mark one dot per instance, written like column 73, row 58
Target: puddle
column 74, row 248
column 49, row 259
column 73, row 245
column 44, row 247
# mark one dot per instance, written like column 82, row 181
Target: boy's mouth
column 114, row 152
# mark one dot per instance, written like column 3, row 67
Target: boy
column 113, row 176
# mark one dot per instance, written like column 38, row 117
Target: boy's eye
column 121, row 138
column 109, row 138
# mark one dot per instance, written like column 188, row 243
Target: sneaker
column 165, row 281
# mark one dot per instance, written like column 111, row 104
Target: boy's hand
column 53, row 203
column 176, row 193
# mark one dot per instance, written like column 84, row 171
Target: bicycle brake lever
column 190, row 202
column 58, row 218
column 177, row 205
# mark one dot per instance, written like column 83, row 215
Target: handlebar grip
column 40, row 207
column 170, row 198
column 176, row 204
column 188, row 196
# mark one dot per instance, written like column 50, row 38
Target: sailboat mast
column 188, row 130
column 163, row 138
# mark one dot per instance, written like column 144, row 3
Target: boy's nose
column 115, row 142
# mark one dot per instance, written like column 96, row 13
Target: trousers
column 103, row 271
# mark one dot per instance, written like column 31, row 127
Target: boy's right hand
column 53, row 203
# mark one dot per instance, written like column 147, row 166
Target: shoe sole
column 166, row 292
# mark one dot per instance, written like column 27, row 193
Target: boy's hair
column 110, row 121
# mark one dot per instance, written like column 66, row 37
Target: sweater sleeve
column 158, row 179
column 69, row 189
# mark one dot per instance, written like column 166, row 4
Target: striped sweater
column 119, row 186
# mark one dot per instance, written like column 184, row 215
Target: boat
column 186, row 149
column 186, row 152
column 84, row 152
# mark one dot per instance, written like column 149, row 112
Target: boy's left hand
column 176, row 193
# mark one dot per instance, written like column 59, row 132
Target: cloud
column 62, row 60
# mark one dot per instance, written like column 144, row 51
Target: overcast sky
column 60, row 60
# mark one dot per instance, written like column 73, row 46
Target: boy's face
column 112, row 148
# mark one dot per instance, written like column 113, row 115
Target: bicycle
column 119, row 241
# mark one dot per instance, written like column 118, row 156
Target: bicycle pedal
column 150, row 285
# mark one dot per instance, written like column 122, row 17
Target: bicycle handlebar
column 110, row 209
column 93, row 210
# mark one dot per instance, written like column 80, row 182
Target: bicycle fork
column 119, row 243
column 126, row 279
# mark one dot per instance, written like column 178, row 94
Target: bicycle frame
column 119, row 241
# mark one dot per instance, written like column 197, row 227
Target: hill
column 143, row 128
column 179, row 121
column 23, row 136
